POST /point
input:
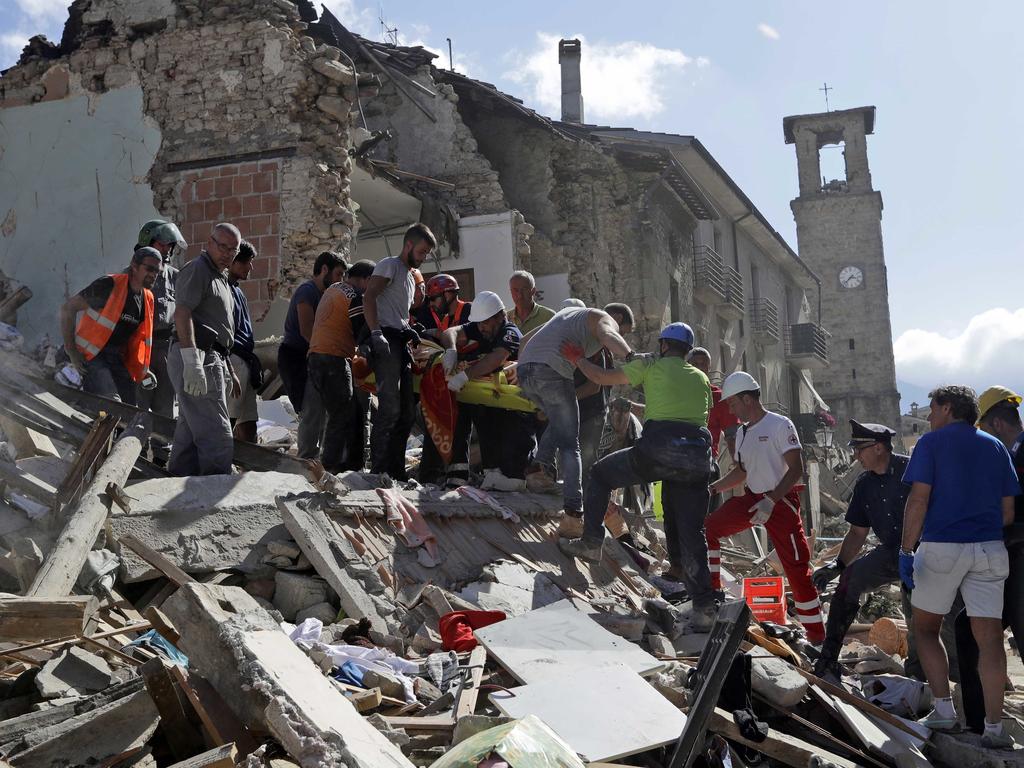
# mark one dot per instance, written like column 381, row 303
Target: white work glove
column 194, row 375
column 449, row 360
column 148, row 381
column 761, row 511
column 458, row 381
column 379, row 345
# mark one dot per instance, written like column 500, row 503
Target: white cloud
column 36, row 10
column 11, row 45
column 768, row 31
column 990, row 350
column 620, row 80
column 361, row 20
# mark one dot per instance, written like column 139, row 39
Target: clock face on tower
column 851, row 277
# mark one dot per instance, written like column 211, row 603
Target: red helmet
column 438, row 284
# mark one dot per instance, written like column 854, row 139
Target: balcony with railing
column 708, row 275
column 807, row 345
column 733, row 306
column 764, row 320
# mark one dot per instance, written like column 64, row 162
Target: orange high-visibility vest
column 95, row 328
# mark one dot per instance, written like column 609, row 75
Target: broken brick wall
column 253, row 121
column 612, row 229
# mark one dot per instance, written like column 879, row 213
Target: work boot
column 495, row 480
column 570, row 526
column 702, row 618
column 585, row 549
column 538, row 480
column 614, row 522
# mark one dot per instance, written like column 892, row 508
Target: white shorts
column 978, row 570
column 243, row 407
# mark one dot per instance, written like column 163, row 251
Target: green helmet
column 163, row 232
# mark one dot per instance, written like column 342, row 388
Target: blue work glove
column 907, row 569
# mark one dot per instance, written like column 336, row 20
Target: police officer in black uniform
column 879, row 497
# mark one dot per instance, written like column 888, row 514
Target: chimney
column 569, row 52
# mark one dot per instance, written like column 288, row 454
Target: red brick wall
column 248, row 196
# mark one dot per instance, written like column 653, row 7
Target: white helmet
column 738, row 382
column 486, row 305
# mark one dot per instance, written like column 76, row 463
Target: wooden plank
column 176, row 712
column 162, row 624
column 20, row 480
column 34, row 618
column 366, row 700
column 91, row 453
column 60, row 643
column 468, row 695
column 59, row 572
column 157, row 560
column 780, row 746
column 428, row 723
column 218, row 757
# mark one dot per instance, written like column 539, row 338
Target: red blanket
column 439, row 409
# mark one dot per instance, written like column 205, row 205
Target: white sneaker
column 495, row 480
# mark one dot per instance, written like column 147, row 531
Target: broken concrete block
column 287, row 549
column 206, row 523
column 260, row 588
column 335, row 71
column 294, row 592
column 270, row 683
column 426, row 640
column 73, row 673
column 665, row 685
column 660, row 645
column 389, row 684
column 325, row 612
column 776, row 680
column 92, row 737
column 690, row 644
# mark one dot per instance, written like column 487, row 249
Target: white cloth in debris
column 308, row 633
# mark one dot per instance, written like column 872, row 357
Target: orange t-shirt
column 339, row 315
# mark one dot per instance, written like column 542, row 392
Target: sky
column 946, row 154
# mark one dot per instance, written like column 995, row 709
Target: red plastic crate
column 766, row 596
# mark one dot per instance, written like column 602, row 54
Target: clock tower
column 839, row 235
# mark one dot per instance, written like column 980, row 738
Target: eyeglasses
column 224, row 246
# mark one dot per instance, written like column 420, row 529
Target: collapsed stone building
column 308, row 137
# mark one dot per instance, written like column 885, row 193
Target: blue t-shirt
column 243, row 322
column 969, row 472
column 307, row 293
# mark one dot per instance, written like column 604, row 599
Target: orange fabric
column 95, row 328
column 332, row 326
column 439, row 410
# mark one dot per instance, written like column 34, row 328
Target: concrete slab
column 602, row 713
column 511, row 588
column 205, row 524
column 559, row 637
column 73, row 673
column 775, row 679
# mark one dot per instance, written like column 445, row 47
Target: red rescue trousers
column 786, row 532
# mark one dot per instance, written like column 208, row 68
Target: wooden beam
column 218, row 757
column 34, row 618
column 22, row 481
column 91, row 453
column 60, row 570
column 780, row 746
column 183, row 737
column 467, row 696
column 158, row 561
column 162, row 624
column 427, row 723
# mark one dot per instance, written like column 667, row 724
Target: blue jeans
column 556, row 396
column 107, row 375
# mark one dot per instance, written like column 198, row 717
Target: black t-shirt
column 1017, row 452
column 96, row 295
column 596, row 404
column 509, row 338
column 879, row 500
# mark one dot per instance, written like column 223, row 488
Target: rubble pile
column 283, row 616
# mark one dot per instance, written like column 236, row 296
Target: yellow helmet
column 995, row 395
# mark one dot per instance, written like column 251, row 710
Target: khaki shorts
column 978, row 570
column 243, row 407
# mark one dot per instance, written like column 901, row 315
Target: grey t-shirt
column 204, row 289
column 394, row 301
column 163, row 295
column 545, row 346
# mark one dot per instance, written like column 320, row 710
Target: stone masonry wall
column 254, row 119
